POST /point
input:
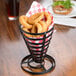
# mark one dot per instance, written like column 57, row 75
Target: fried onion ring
column 35, row 18
column 37, row 28
column 28, row 35
column 44, row 26
column 23, row 20
column 37, row 23
column 48, row 18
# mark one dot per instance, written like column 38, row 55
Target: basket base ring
column 27, row 66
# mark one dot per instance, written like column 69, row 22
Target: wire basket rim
column 36, row 33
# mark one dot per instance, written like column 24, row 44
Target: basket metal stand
column 37, row 61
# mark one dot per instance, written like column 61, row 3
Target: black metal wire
column 38, row 56
column 45, row 70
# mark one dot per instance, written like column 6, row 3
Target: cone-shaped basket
column 38, row 48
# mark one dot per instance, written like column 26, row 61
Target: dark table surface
column 13, row 48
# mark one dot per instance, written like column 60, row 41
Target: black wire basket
column 37, row 48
